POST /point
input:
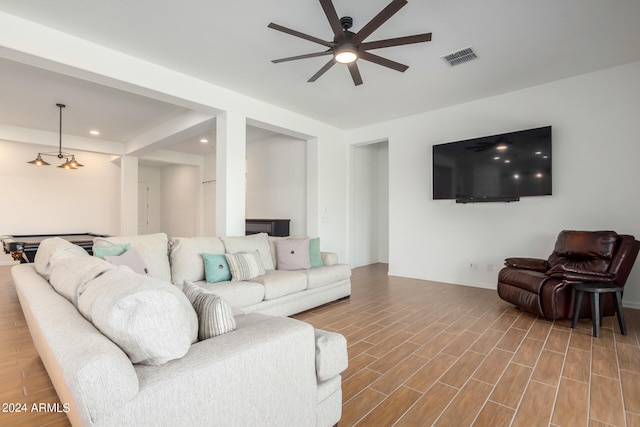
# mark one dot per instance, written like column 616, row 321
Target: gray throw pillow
column 245, row 266
column 215, row 316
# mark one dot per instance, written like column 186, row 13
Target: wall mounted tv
column 494, row 168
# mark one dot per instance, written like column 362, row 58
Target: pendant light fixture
column 70, row 159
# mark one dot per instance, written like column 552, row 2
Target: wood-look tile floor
column 23, row 378
column 421, row 353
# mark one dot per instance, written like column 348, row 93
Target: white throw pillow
column 53, row 249
column 152, row 321
column 70, row 276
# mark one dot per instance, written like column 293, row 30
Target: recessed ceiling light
column 204, row 140
column 501, row 147
column 94, row 132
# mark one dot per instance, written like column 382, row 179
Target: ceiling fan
column 347, row 47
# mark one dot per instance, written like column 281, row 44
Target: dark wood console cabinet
column 273, row 227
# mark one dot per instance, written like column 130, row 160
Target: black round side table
column 595, row 289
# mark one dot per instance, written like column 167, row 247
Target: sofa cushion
column 153, row 249
column 70, row 276
column 278, row 283
column 216, row 268
column 245, row 266
column 255, row 242
column 237, row 294
column 152, row 321
column 52, row 249
column 131, row 259
column 215, row 316
column 186, row 257
column 293, row 254
column 272, row 248
column 321, row 276
column 331, row 354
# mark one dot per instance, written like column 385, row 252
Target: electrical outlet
column 489, row 267
column 473, row 265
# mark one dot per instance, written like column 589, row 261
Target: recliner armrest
column 562, row 271
column 535, row 264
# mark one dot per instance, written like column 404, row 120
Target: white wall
column 327, row 160
column 595, row 174
column 382, row 184
column 277, row 181
column 180, row 200
column 209, row 196
column 152, row 176
column 369, row 222
column 50, row 200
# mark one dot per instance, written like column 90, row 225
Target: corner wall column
column 231, row 140
column 128, row 195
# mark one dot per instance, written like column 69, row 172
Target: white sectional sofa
column 277, row 292
column 121, row 348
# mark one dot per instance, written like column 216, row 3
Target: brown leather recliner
column 543, row 287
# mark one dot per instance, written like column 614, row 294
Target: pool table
column 24, row 247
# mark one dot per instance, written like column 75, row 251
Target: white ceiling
column 520, row 43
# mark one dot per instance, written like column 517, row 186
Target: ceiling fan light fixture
column 347, row 47
column 346, row 54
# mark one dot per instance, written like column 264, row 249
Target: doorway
column 369, row 219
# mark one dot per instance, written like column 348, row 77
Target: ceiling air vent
column 460, row 56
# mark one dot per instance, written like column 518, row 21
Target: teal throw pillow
column 314, row 253
column 216, row 268
column 114, row 250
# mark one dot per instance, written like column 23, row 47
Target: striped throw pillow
column 215, row 316
column 245, row 266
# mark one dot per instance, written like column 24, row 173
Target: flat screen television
column 501, row 167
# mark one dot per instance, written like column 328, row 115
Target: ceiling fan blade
column 308, row 55
column 332, row 17
column 383, row 61
column 378, row 20
column 355, row 73
column 398, row 41
column 299, row 34
column 322, row 70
